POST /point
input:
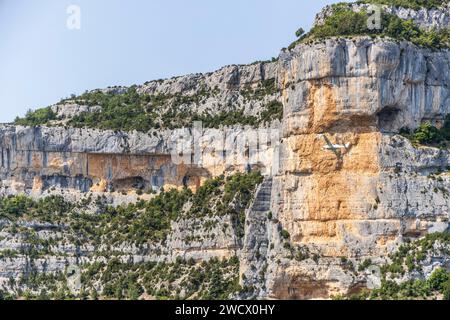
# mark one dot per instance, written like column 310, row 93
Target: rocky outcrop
column 35, row 160
column 362, row 198
column 341, row 186
column 363, row 82
column 438, row 18
column 70, row 110
column 246, row 88
column 255, row 248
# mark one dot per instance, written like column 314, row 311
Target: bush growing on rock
column 346, row 23
column 437, row 280
column 36, row 118
column 285, row 234
column 428, row 134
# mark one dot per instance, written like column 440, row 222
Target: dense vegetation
column 413, row 4
column 182, row 279
column 35, row 118
column 428, row 134
column 125, row 112
column 47, row 210
column 409, row 259
column 438, row 285
column 143, row 225
column 346, row 23
column 151, row 220
column 145, row 221
column 142, row 112
column 209, row 280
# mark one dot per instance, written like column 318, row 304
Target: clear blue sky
column 130, row 42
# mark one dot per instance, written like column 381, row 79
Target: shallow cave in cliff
column 136, row 183
column 388, row 119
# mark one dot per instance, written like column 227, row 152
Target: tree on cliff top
column 300, row 32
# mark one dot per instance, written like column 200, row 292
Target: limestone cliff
column 363, row 200
column 341, row 186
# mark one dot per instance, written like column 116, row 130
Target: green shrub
column 364, row 265
column 427, row 134
column 341, row 23
column 36, row 118
column 6, row 296
column 438, row 278
column 15, row 206
column 300, row 32
column 285, row 234
column 273, row 111
column 390, row 290
column 446, row 290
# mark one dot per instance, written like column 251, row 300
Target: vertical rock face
column 346, row 185
column 363, row 83
column 255, row 249
column 34, row 160
column 361, row 197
